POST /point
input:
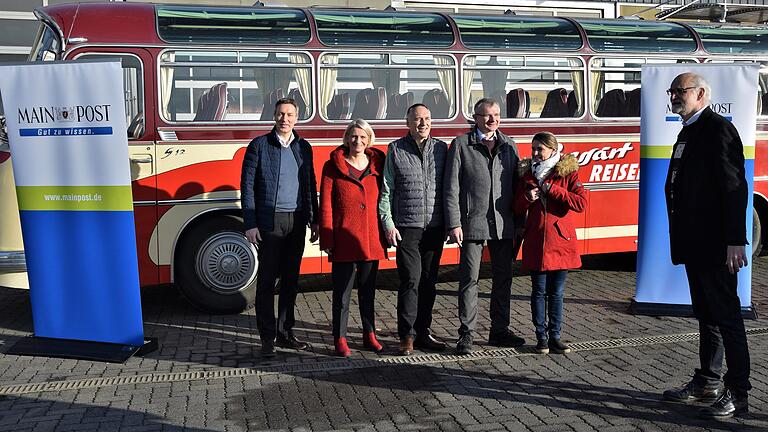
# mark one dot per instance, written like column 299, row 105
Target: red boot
column 342, row 350
column 370, row 342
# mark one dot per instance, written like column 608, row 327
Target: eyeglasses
column 678, row 91
column 486, row 116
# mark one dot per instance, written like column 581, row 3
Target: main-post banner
column 66, row 127
column 734, row 90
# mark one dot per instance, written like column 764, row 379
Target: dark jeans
column 717, row 307
column 344, row 276
column 280, row 252
column 418, row 258
column 501, row 252
column 547, row 302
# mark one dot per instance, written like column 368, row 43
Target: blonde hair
column 547, row 139
column 360, row 124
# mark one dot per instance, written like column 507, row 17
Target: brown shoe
column 406, row 346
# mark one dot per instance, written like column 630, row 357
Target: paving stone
column 601, row 390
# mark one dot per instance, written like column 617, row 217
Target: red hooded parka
column 550, row 237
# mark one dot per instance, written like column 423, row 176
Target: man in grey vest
column 480, row 180
column 411, row 212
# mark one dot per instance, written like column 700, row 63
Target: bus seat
column 136, row 127
column 437, row 102
column 295, row 94
column 366, row 104
column 764, row 107
column 398, row 104
column 556, row 104
column 212, row 103
column 339, row 108
column 518, row 103
column 270, row 99
column 381, row 94
column 573, row 104
column 613, row 104
column 633, row 102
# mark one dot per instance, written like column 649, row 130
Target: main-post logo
column 722, row 108
column 79, row 120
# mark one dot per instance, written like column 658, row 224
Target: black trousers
column 418, row 259
column 717, row 307
column 502, row 257
column 280, row 252
column 344, row 275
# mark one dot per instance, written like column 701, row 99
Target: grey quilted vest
column 418, row 193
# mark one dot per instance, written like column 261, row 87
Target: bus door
column 138, row 88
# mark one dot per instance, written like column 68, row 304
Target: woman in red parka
column 350, row 232
column 550, row 191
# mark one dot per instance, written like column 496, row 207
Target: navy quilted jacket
column 258, row 181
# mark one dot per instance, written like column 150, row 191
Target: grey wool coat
column 479, row 187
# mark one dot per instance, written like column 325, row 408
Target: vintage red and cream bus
column 201, row 82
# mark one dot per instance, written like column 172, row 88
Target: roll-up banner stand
column 66, row 127
column 662, row 288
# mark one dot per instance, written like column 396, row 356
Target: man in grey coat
column 480, row 179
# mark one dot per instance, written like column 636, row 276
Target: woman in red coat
column 350, row 232
column 550, row 191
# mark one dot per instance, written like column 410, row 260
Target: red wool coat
column 549, row 239
column 349, row 223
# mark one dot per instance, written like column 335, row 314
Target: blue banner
column 74, row 190
column 658, row 281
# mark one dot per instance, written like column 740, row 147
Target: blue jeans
column 547, row 299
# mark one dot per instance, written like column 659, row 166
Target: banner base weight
column 78, row 349
column 678, row 310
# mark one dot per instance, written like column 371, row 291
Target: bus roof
column 151, row 24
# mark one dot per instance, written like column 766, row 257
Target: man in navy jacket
column 706, row 194
column 279, row 199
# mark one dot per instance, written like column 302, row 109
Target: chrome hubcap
column 226, row 262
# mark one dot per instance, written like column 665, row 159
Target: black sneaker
column 557, row 347
column 542, row 347
column 268, row 348
column 692, row 393
column 726, row 406
column 290, row 341
column 464, row 345
column 505, row 339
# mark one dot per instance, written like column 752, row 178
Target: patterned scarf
column 541, row 170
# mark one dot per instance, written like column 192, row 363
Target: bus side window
column 383, row 86
column 525, row 87
column 133, row 90
column 232, row 86
column 616, row 85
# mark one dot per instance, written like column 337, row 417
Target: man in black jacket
column 279, row 199
column 706, row 194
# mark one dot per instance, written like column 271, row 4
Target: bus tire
column 216, row 265
column 757, row 234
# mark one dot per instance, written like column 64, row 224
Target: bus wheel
column 216, row 266
column 757, row 234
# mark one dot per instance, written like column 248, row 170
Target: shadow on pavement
column 53, row 415
column 450, row 398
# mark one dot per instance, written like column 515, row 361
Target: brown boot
column 406, row 346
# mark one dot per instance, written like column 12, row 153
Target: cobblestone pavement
column 207, row 375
